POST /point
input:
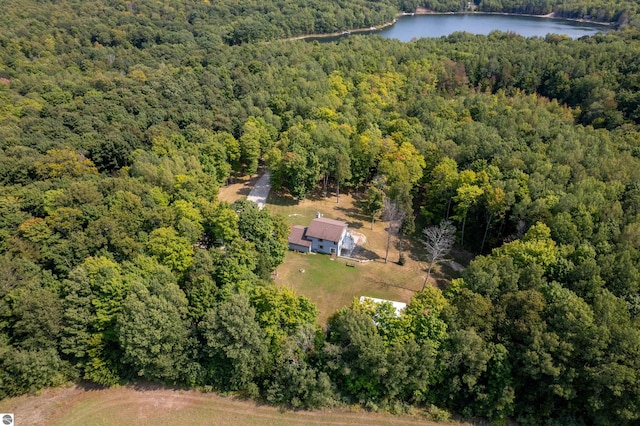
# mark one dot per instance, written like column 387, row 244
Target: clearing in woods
column 153, row 405
column 331, row 284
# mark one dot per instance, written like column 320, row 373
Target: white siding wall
column 299, row 248
column 325, row 246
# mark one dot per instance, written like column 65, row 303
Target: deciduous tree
column 438, row 241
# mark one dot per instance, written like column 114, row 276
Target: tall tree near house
column 152, row 331
column 343, row 171
column 394, row 214
column 257, row 138
column 495, row 207
column 406, row 227
column 467, row 197
column 235, row 349
column 332, row 149
column 326, row 158
column 373, row 200
column 444, row 180
column 438, row 241
column 249, row 152
column 365, row 151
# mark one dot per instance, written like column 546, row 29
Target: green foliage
column 94, row 295
column 295, row 164
column 355, row 355
column 536, row 247
column 280, row 312
column 296, row 381
column 64, row 163
column 373, row 202
column 152, row 332
column 268, row 234
column 119, row 124
column 423, row 317
column 235, row 350
column 170, row 249
column 24, row 371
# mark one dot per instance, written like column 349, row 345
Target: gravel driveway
column 260, row 191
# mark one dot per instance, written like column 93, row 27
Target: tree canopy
column 120, row 122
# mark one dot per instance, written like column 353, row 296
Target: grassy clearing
column 144, row 405
column 332, row 285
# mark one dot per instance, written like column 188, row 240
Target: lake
column 409, row 27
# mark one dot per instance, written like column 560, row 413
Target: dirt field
column 237, row 189
column 145, row 405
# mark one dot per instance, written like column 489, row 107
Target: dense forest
column 619, row 12
column 119, row 122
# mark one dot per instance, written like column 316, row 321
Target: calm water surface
column 418, row 26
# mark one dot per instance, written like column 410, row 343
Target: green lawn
column 295, row 213
column 331, row 284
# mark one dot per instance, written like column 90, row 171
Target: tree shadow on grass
column 448, row 270
column 281, row 198
column 248, row 183
column 91, row 386
column 147, row 386
column 353, row 225
column 245, row 190
column 139, row 386
column 353, row 213
column 401, row 286
column 316, row 194
column 364, row 254
column 442, row 278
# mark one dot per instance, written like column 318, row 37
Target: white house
column 321, row 236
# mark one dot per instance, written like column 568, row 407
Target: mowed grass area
column 148, row 405
column 330, row 284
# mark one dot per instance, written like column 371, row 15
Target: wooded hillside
column 119, row 121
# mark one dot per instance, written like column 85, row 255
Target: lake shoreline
column 346, row 32
column 423, row 11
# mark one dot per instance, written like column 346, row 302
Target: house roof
column 326, row 229
column 398, row 306
column 297, row 236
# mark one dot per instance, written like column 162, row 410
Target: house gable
column 322, row 236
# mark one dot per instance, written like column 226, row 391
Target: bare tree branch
column 438, row 241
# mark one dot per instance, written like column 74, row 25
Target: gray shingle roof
column 326, row 229
column 297, row 236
